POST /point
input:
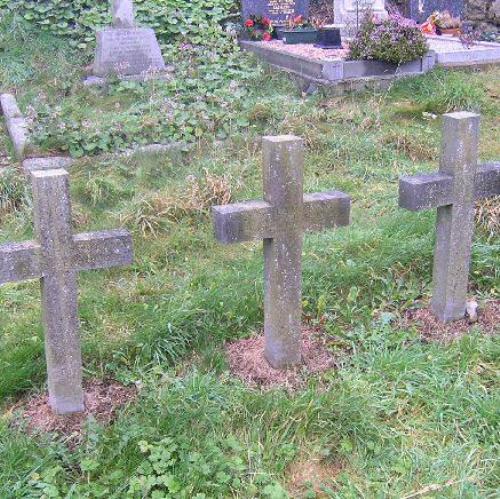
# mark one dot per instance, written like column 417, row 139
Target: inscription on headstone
column 277, row 10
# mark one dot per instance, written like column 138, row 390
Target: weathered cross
column 453, row 191
column 56, row 257
column 280, row 220
column 123, row 13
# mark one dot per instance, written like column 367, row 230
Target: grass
column 399, row 415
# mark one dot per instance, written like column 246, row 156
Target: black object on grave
column 329, row 38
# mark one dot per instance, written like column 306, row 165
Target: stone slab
column 32, row 164
column 451, row 52
column 127, row 52
column 277, row 10
column 16, row 124
column 9, row 106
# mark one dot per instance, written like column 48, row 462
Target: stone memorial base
column 127, row 52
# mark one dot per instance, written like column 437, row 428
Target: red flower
column 249, row 24
column 267, row 37
column 298, row 20
column 266, row 21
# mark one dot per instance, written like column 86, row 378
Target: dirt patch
column 431, row 329
column 311, row 475
column 102, row 399
column 247, row 362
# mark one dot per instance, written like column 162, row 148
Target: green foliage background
column 197, row 20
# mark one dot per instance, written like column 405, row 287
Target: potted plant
column 299, row 30
column 258, row 28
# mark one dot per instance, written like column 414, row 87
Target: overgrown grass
column 398, row 414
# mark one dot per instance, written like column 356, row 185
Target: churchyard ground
column 399, row 415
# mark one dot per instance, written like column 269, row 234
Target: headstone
column 453, row 191
column 124, row 49
column 280, row 220
column 420, row 10
column 277, row 10
column 350, row 13
column 56, row 257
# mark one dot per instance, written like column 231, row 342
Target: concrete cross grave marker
column 56, row 257
column 453, row 191
column 280, row 220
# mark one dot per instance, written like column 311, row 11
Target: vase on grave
column 329, row 37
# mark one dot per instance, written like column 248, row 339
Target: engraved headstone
column 453, row 191
column 277, row 10
column 126, row 50
column 420, row 10
column 56, row 257
column 280, row 220
column 350, row 13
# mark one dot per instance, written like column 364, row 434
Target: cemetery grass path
column 398, row 416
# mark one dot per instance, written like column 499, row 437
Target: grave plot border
column 338, row 73
column 15, row 122
column 484, row 54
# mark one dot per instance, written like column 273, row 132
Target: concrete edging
column 16, row 124
column 338, row 72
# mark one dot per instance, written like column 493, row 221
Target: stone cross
column 56, row 257
column 280, row 221
column 453, row 191
column 123, row 13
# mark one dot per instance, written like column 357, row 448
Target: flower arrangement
column 259, row 28
column 439, row 23
column 396, row 40
column 297, row 23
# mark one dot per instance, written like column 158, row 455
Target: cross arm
column 240, row 222
column 254, row 220
column 488, row 180
column 99, row 250
column 423, row 192
column 326, row 210
column 19, row 262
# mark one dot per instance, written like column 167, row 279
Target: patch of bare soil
column 311, row 475
column 247, row 361
column 431, row 329
column 102, row 399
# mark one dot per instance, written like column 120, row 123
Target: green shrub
column 395, row 40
